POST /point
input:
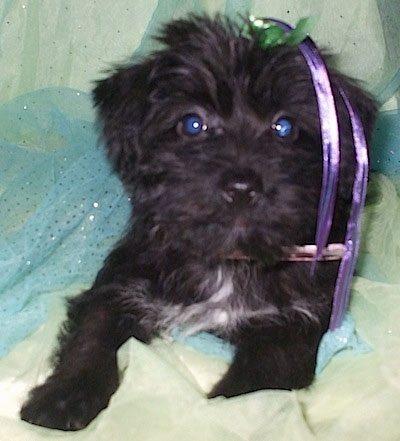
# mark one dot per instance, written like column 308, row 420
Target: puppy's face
column 220, row 142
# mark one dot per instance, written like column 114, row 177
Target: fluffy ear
column 121, row 101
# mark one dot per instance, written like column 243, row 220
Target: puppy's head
column 219, row 141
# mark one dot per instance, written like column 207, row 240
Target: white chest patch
column 213, row 313
column 223, row 310
column 219, row 301
column 223, row 287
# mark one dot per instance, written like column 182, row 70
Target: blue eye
column 192, row 125
column 283, row 127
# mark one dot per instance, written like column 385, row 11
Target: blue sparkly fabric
column 62, row 208
column 385, row 157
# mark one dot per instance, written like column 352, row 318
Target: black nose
column 241, row 187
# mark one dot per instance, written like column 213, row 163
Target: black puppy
column 218, row 141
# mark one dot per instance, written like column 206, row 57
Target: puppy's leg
column 86, row 373
column 280, row 359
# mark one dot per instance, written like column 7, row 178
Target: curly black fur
column 234, row 189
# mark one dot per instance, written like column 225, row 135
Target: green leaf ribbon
column 271, row 35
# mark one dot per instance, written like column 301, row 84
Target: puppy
column 218, row 142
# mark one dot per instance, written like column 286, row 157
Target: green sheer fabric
column 59, row 216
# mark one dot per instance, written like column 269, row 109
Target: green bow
column 270, row 35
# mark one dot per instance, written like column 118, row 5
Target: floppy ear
column 121, row 102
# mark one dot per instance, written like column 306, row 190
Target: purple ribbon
column 330, row 175
column 352, row 241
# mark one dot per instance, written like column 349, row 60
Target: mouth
column 297, row 253
column 239, row 255
column 246, row 241
column 248, row 246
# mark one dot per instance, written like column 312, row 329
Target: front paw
column 65, row 404
column 243, row 377
column 232, row 384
